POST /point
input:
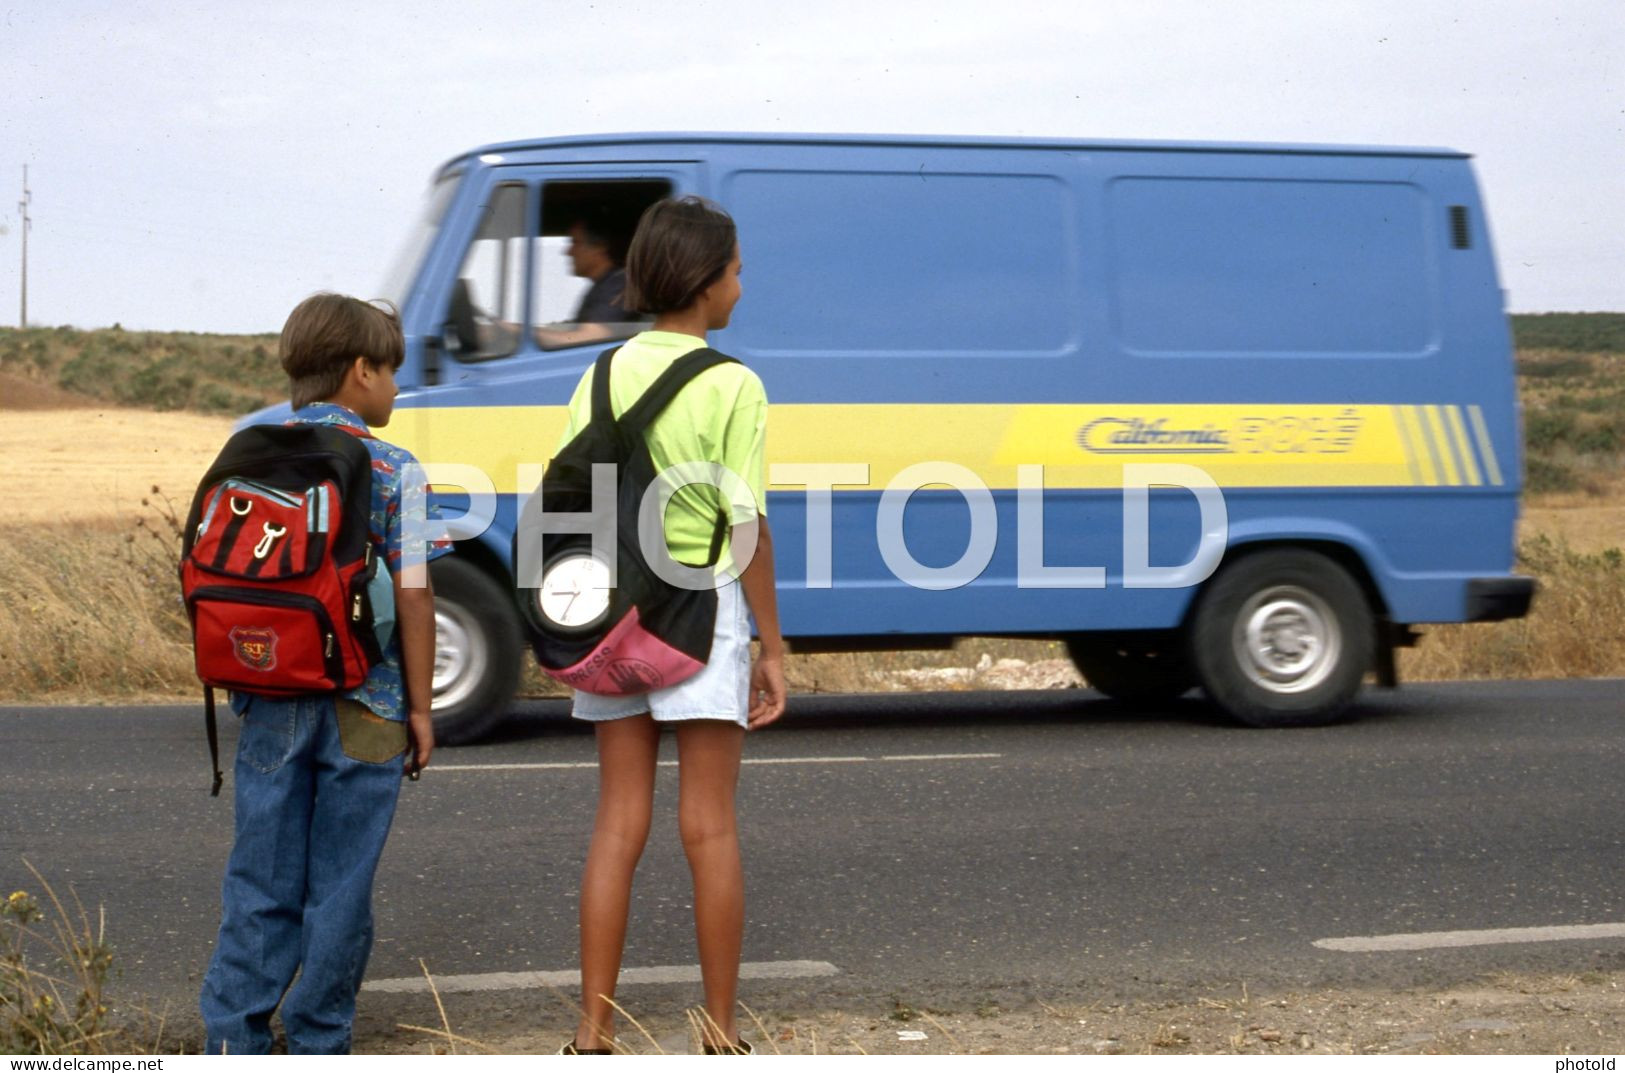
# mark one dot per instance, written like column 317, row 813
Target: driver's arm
column 581, row 333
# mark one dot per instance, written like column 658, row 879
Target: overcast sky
column 204, row 166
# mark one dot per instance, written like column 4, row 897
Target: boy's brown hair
column 326, row 333
column 680, row 248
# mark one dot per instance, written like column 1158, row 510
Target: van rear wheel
column 476, row 651
column 1282, row 638
column 1150, row 669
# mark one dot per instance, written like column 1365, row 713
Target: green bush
column 214, row 399
column 1604, row 437
column 1546, row 429
column 1544, row 475
column 1543, row 368
column 1606, row 402
column 160, row 386
column 1595, row 332
column 1543, row 555
column 90, row 372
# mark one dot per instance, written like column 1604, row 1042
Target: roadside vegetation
column 93, row 612
column 55, row 961
column 210, row 374
column 1590, row 332
column 1574, row 420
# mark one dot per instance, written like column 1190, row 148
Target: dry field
column 83, row 464
column 1585, row 523
column 90, row 610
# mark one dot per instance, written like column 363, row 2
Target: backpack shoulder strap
column 601, row 408
column 665, row 388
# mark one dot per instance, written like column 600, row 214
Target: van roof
column 939, row 141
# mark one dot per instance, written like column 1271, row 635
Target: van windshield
column 403, row 269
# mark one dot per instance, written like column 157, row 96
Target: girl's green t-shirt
column 721, row 417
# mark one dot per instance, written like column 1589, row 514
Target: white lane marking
column 1430, row 940
column 654, row 974
column 432, row 768
column 749, row 760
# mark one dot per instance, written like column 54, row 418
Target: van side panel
column 1303, row 327
column 1232, row 296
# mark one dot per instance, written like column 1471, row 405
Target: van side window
column 488, row 299
column 580, row 259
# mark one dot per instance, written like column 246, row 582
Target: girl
column 683, row 267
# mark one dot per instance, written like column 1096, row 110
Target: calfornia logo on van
column 1136, row 435
column 254, row 646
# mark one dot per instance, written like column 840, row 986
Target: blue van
column 1233, row 417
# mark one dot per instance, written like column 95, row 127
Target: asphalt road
column 920, row 845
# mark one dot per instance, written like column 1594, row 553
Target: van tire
column 477, row 651
column 1136, row 670
column 1282, row 638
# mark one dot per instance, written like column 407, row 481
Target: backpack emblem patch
column 254, row 646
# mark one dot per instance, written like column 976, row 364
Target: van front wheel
column 1282, row 638
column 476, row 651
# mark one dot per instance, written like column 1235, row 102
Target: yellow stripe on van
column 1459, row 431
column 1485, row 445
column 1080, row 446
column 1418, row 441
column 1412, row 465
column 1447, row 450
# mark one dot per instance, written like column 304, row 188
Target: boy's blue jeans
column 311, row 823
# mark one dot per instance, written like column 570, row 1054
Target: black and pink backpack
column 643, row 633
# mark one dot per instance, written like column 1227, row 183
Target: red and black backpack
column 275, row 562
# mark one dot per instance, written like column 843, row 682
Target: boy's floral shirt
column 394, row 500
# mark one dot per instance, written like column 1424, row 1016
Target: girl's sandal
column 742, row 1047
column 571, row 1048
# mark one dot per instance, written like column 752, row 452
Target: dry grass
column 1587, row 522
column 100, row 463
column 92, row 612
column 1576, row 628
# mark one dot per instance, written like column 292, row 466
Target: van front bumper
column 1491, row 599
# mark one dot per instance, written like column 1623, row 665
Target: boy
column 317, row 776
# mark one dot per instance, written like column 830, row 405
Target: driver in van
column 592, row 257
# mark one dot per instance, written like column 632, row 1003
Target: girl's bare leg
column 708, row 764
column 627, row 749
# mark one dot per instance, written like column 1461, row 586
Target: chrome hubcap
column 1287, row 639
column 459, row 660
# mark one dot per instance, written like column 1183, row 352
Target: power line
column 22, row 319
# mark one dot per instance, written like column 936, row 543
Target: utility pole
column 22, row 320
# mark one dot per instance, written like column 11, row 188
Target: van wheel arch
column 1343, row 555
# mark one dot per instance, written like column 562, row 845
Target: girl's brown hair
column 680, row 248
column 326, row 333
